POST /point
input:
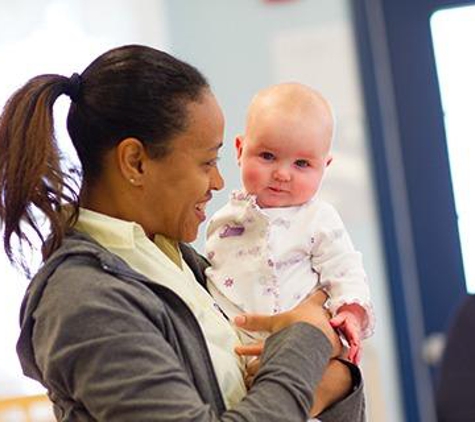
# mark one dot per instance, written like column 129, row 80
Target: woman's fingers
column 311, row 311
column 248, row 381
column 271, row 323
column 252, row 368
column 318, row 298
column 255, row 322
column 250, row 349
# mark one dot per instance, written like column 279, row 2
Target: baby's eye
column 302, row 163
column 267, row 156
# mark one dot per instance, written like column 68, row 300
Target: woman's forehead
column 205, row 128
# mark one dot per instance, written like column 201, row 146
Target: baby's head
column 286, row 147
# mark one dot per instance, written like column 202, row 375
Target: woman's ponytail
column 31, row 178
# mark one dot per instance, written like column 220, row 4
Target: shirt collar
column 109, row 231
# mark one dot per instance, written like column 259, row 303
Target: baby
column 275, row 242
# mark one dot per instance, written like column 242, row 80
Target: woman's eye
column 213, row 162
column 302, row 163
column 267, row 156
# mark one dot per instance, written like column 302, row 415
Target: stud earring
column 132, row 180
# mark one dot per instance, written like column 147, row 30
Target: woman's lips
column 200, row 209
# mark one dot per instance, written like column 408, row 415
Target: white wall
column 245, row 45
column 57, row 36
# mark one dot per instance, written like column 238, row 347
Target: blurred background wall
column 241, row 46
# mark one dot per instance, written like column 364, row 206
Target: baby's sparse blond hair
column 293, row 98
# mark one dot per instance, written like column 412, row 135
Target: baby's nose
column 282, row 174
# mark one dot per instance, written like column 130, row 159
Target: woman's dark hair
column 131, row 91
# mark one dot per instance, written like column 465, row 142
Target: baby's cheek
column 306, row 189
column 252, row 178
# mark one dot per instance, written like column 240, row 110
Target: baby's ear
column 238, row 144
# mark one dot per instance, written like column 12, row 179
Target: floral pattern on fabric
column 271, row 259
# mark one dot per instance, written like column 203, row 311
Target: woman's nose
column 217, row 181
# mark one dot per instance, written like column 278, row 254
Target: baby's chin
column 277, row 202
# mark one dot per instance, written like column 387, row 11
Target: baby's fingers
column 358, row 356
column 354, row 354
column 337, row 321
column 352, row 334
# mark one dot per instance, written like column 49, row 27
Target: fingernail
column 240, row 320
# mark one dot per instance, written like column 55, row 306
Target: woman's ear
column 238, row 144
column 131, row 154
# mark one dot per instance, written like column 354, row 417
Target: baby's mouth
column 276, row 189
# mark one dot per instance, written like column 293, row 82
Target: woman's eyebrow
column 216, row 147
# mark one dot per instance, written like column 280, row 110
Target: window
column 453, row 33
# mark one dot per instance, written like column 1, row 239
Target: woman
column 116, row 324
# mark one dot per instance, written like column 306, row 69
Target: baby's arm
column 341, row 274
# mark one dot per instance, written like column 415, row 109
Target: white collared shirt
column 129, row 241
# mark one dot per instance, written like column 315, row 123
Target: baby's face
column 283, row 159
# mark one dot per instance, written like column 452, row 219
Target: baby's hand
column 349, row 320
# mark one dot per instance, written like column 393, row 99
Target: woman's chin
column 190, row 233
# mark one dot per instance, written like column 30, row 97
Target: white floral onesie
column 268, row 260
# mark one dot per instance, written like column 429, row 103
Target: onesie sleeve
column 340, row 267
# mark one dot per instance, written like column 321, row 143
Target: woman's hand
column 310, row 311
column 252, row 351
column 252, row 367
column 334, row 386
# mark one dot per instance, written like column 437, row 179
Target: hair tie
column 73, row 87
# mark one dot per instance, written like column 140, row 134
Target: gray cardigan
column 110, row 345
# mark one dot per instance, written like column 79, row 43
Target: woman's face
column 179, row 186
